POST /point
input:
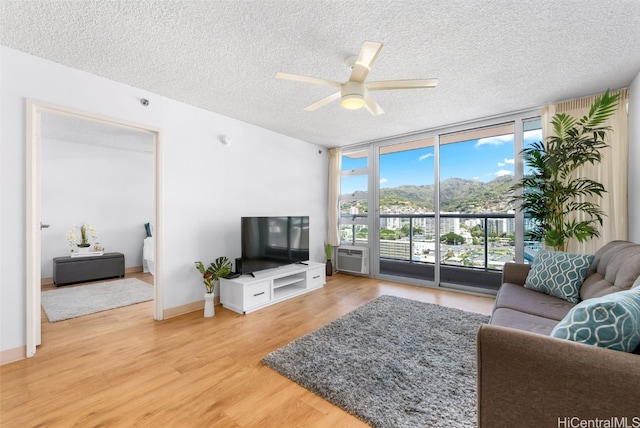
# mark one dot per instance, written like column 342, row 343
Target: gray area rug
column 64, row 303
column 393, row 362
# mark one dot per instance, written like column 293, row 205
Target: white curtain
column 335, row 164
column 610, row 172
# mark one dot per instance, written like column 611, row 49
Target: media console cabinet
column 67, row 270
column 249, row 293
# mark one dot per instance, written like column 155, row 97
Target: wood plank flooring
column 121, row 368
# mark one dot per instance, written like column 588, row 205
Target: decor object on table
column 329, row 265
column 392, row 362
column 552, row 194
column 71, row 302
column 82, row 243
column 210, row 276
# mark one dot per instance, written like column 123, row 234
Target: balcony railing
column 475, row 261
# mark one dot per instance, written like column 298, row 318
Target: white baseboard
column 185, row 309
column 12, row 355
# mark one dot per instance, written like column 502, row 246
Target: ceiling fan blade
column 307, row 79
column 322, row 102
column 387, row 85
column 366, row 58
column 371, row 105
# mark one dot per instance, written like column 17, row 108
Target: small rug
column 393, row 362
column 64, row 303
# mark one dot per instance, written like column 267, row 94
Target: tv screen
column 269, row 242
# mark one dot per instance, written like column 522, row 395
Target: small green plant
column 327, row 251
column 219, row 268
column 552, row 192
column 83, row 240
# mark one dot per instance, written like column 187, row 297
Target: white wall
column 206, row 186
column 109, row 188
column 634, row 160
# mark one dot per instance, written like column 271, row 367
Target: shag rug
column 393, row 362
column 71, row 302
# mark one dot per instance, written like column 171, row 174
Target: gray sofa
column 528, row 379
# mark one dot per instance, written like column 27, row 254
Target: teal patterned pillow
column 558, row 274
column 611, row 321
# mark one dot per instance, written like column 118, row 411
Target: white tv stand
column 249, row 293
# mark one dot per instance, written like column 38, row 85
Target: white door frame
column 33, row 210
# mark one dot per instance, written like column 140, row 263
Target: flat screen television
column 269, row 242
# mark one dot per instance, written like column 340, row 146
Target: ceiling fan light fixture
column 352, row 101
column 352, row 95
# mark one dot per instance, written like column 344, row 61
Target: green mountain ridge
column 456, row 195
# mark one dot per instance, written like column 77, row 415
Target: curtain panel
column 333, row 210
column 610, row 172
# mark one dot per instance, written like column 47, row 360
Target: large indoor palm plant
column 551, row 193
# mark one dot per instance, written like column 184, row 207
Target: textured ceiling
column 491, row 57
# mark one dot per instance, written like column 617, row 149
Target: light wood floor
column 121, row 368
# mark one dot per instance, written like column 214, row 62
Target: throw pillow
column 611, row 321
column 558, row 274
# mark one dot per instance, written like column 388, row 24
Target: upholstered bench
column 69, row 270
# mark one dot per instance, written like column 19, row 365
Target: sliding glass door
column 477, row 221
column 407, row 206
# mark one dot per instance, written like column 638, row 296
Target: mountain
column 456, row 195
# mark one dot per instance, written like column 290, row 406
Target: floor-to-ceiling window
column 532, row 132
column 435, row 208
column 354, row 198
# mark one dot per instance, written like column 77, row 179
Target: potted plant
column 552, row 194
column 329, row 265
column 82, row 242
column 210, row 276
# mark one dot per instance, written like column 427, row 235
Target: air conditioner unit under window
column 353, row 260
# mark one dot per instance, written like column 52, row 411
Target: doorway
column 74, row 121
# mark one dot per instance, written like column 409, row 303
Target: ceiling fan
column 354, row 93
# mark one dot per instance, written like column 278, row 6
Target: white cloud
column 383, row 180
column 502, row 172
column 511, row 161
column 495, row 141
column 501, row 164
column 425, row 156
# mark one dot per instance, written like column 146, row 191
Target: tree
column 551, row 194
column 452, row 239
column 388, row 234
column 416, row 230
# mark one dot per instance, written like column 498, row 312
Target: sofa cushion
column 558, row 274
column 505, row 317
column 512, row 296
column 615, row 267
column 611, row 321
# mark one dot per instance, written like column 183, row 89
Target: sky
column 481, row 160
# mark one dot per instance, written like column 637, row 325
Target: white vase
column 209, row 310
